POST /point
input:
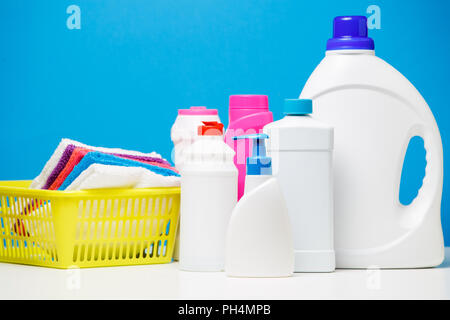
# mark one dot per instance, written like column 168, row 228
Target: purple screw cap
column 350, row 33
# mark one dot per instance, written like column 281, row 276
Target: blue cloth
column 108, row 159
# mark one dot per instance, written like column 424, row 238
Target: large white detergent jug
column 375, row 111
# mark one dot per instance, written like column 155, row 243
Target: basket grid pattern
column 87, row 229
column 115, row 229
column 27, row 229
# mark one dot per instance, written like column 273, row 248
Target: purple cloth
column 59, row 166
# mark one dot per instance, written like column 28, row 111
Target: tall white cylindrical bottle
column 301, row 150
column 208, row 197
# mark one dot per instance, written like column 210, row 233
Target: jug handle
column 433, row 180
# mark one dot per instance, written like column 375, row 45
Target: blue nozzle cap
column 297, row 107
column 258, row 164
column 350, row 33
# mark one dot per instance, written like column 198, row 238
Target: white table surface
column 167, row 282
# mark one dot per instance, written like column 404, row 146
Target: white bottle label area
column 368, row 162
column 206, row 205
column 310, row 203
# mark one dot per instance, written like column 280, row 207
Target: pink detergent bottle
column 248, row 114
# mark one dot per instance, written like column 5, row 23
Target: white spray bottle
column 259, row 237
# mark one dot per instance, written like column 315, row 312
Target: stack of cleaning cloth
column 76, row 166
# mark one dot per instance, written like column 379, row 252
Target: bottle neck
column 350, row 52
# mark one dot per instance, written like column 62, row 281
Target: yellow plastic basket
column 95, row 228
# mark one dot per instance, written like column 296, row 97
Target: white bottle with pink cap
column 184, row 130
column 183, row 134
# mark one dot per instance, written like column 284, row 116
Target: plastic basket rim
column 7, row 186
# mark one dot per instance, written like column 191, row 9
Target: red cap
column 210, row 128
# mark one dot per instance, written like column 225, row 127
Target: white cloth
column 41, row 179
column 99, row 176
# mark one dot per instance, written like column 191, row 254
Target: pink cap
column 249, row 101
column 198, row 111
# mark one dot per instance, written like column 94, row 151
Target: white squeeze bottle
column 301, row 149
column 209, row 181
column 259, row 237
column 375, row 111
column 183, row 134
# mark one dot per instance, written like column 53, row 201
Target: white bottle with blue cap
column 301, row 150
column 259, row 236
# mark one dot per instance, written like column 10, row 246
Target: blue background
column 120, row 79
